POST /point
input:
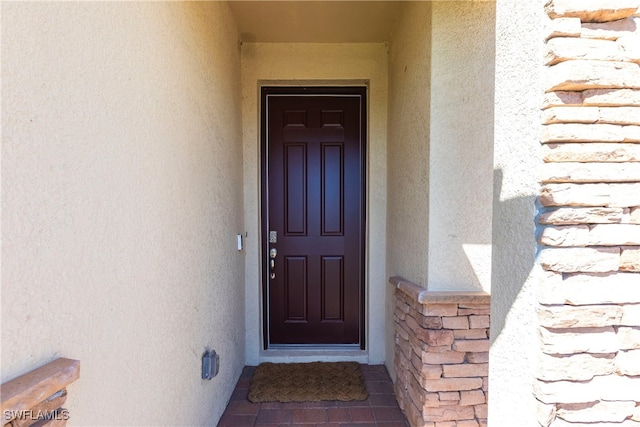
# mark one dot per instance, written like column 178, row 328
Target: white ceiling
column 315, row 21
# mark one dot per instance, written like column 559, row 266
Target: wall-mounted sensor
column 240, row 245
column 210, row 364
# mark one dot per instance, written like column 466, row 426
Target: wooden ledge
column 28, row 390
column 426, row 297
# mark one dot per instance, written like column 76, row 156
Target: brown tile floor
column 380, row 409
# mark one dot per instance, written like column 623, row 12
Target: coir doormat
column 307, row 382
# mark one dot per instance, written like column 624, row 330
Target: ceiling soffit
column 315, row 21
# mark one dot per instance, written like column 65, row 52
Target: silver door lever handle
column 272, row 263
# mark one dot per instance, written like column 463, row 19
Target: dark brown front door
column 313, row 213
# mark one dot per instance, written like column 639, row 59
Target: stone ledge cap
column 26, row 391
column 426, row 297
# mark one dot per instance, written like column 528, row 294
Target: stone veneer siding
column 589, row 304
column 441, row 355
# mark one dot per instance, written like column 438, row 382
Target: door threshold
column 303, row 354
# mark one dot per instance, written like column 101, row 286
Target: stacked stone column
column 589, row 304
column 441, row 356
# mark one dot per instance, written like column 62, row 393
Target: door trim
column 346, row 91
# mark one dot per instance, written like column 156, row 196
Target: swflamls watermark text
column 59, row 415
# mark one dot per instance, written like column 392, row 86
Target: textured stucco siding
column 408, row 150
column 461, row 145
column 441, row 84
column 408, row 154
column 517, row 158
column 121, row 201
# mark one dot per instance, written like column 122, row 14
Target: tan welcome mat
column 307, row 382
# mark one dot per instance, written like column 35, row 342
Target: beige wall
column 463, row 175
column 297, row 64
column 441, row 144
column 461, row 145
column 126, row 176
column 408, row 146
column 121, row 200
column 408, row 154
column 518, row 95
column 441, row 81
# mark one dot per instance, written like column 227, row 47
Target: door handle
column 273, row 253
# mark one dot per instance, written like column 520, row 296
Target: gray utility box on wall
column 210, row 364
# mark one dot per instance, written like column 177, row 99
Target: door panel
column 313, row 199
column 295, row 189
column 295, row 282
column 332, row 189
column 332, row 288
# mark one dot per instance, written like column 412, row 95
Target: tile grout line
column 382, row 410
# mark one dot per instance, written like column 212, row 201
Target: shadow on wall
column 513, row 251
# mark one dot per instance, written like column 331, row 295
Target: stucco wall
column 121, row 194
column 408, row 149
column 337, row 64
column 441, row 81
column 461, row 145
column 518, row 94
column 408, row 153
column 463, row 176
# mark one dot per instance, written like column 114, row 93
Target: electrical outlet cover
column 210, row 365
